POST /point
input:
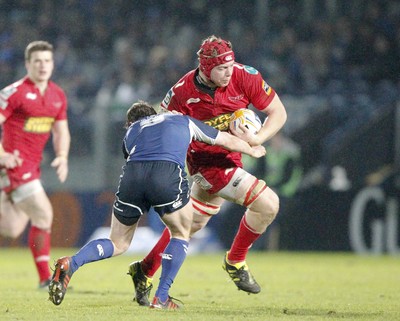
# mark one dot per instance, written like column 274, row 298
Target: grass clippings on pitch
column 295, row 286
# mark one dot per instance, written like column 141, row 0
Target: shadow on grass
column 328, row 313
column 255, row 312
column 100, row 293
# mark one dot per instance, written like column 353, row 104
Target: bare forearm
column 236, row 144
column 274, row 122
column 61, row 146
column 61, row 140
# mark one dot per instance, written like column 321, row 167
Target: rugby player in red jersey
column 154, row 175
column 210, row 93
column 31, row 110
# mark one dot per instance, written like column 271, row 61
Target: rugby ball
column 246, row 117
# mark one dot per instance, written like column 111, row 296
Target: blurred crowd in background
column 334, row 63
column 138, row 49
column 337, row 56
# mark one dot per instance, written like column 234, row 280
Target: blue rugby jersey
column 165, row 137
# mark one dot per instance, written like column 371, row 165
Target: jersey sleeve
column 202, row 132
column 171, row 101
column 176, row 97
column 256, row 88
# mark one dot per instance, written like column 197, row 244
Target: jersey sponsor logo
column 266, row 87
column 251, row 70
column 100, row 249
column 199, row 179
column 167, row 99
column 237, row 98
column 228, row 58
column 57, row 105
column 31, row 96
column 38, row 124
column 177, row 203
column 237, row 181
column 193, row 100
column 220, row 122
column 3, row 103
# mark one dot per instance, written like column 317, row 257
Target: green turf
column 295, row 286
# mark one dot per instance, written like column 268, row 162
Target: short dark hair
column 38, row 45
column 138, row 110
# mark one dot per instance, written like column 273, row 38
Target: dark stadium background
column 335, row 65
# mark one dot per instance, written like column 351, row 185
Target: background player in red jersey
column 211, row 93
column 30, row 110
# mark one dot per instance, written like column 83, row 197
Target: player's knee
column 270, row 215
column 267, row 205
column 274, row 205
column 202, row 212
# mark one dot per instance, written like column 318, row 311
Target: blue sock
column 95, row 250
column 172, row 260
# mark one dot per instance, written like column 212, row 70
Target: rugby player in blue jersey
column 154, row 147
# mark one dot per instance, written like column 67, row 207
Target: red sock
column 244, row 239
column 152, row 261
column 39, row 244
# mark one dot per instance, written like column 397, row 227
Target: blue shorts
column 162, row 185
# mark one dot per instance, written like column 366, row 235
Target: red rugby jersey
column 30, row 116
column 245, row 87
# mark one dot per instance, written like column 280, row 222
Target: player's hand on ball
column 244, row 133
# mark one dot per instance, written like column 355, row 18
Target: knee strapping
column 253, row 192
column 202, row 208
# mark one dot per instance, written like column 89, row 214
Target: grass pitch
column 295, row 286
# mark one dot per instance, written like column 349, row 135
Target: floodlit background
column 335, row 64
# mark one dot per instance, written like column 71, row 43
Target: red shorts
column 12, row 178
column 212, row 179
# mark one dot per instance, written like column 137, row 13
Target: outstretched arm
column 236, row 144
column 206, row 134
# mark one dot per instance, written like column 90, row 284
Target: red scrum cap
column 214, row 51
